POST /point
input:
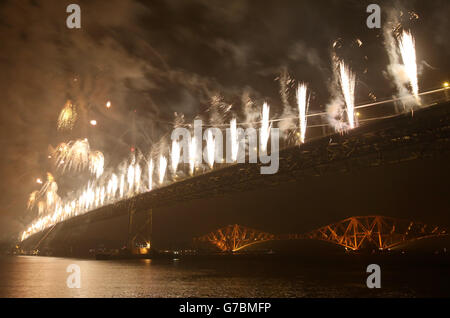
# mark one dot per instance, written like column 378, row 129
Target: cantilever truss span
column 235, row 237
column 354, row 233
column 374, row 231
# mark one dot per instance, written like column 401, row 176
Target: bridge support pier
column 139, row 237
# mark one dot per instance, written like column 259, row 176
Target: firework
column 96, row 163
column 41, row 207
column 347, row 80
column 303, row 103
column 67, row 117
column 102, row 195
column 130, row 177
column 73, row 156
column 122, row 185
column 32, row 199
column 97, row 196
column 114, row 181
column 111, row 187
column 150, row 174
column 137, row 177
column 162, row 168
column 265, row 127
column 408, row 52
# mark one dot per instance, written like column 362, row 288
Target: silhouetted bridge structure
column 423, row 134
column 354, row 233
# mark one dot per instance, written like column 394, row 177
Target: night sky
column 154, row 58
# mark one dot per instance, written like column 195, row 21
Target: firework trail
column 122, row 185
column 303, row 104
column 96, row 163
column 41, row 207
column 102, row 195
column 150, row 175
column 162, row 168
column 130, row 177
column 408, row 53
column 137, row 177
column 32, row 199
column 114, row 181
column 347, row 80
column 111, row 187
column 67, row 117
column 265, row 127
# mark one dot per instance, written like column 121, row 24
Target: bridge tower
column 139, row 233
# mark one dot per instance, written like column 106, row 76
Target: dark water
column 28, row 276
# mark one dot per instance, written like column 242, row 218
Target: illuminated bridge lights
column 354, row 233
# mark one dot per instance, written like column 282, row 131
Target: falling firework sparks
column 130, row 177
column 150, row 175
column 408, row 52
column 265, row 127
column 96, row 163
column 122, row 185
column 137, row 178
column 102, row 195
column 175, row 155
column 162, row 168
column 32, row 199
column 303, row 103
column 347, row 80
column 41, row 207
column 234, row 140
column 73, row 156
column 210, row 148
column 67, row 117
column 114, row 183
column 109, row 189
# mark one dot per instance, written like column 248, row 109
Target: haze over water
column 29, row 276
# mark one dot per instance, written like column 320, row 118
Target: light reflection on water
column 28, row 276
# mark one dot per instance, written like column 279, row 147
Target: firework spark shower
column 77, row 156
